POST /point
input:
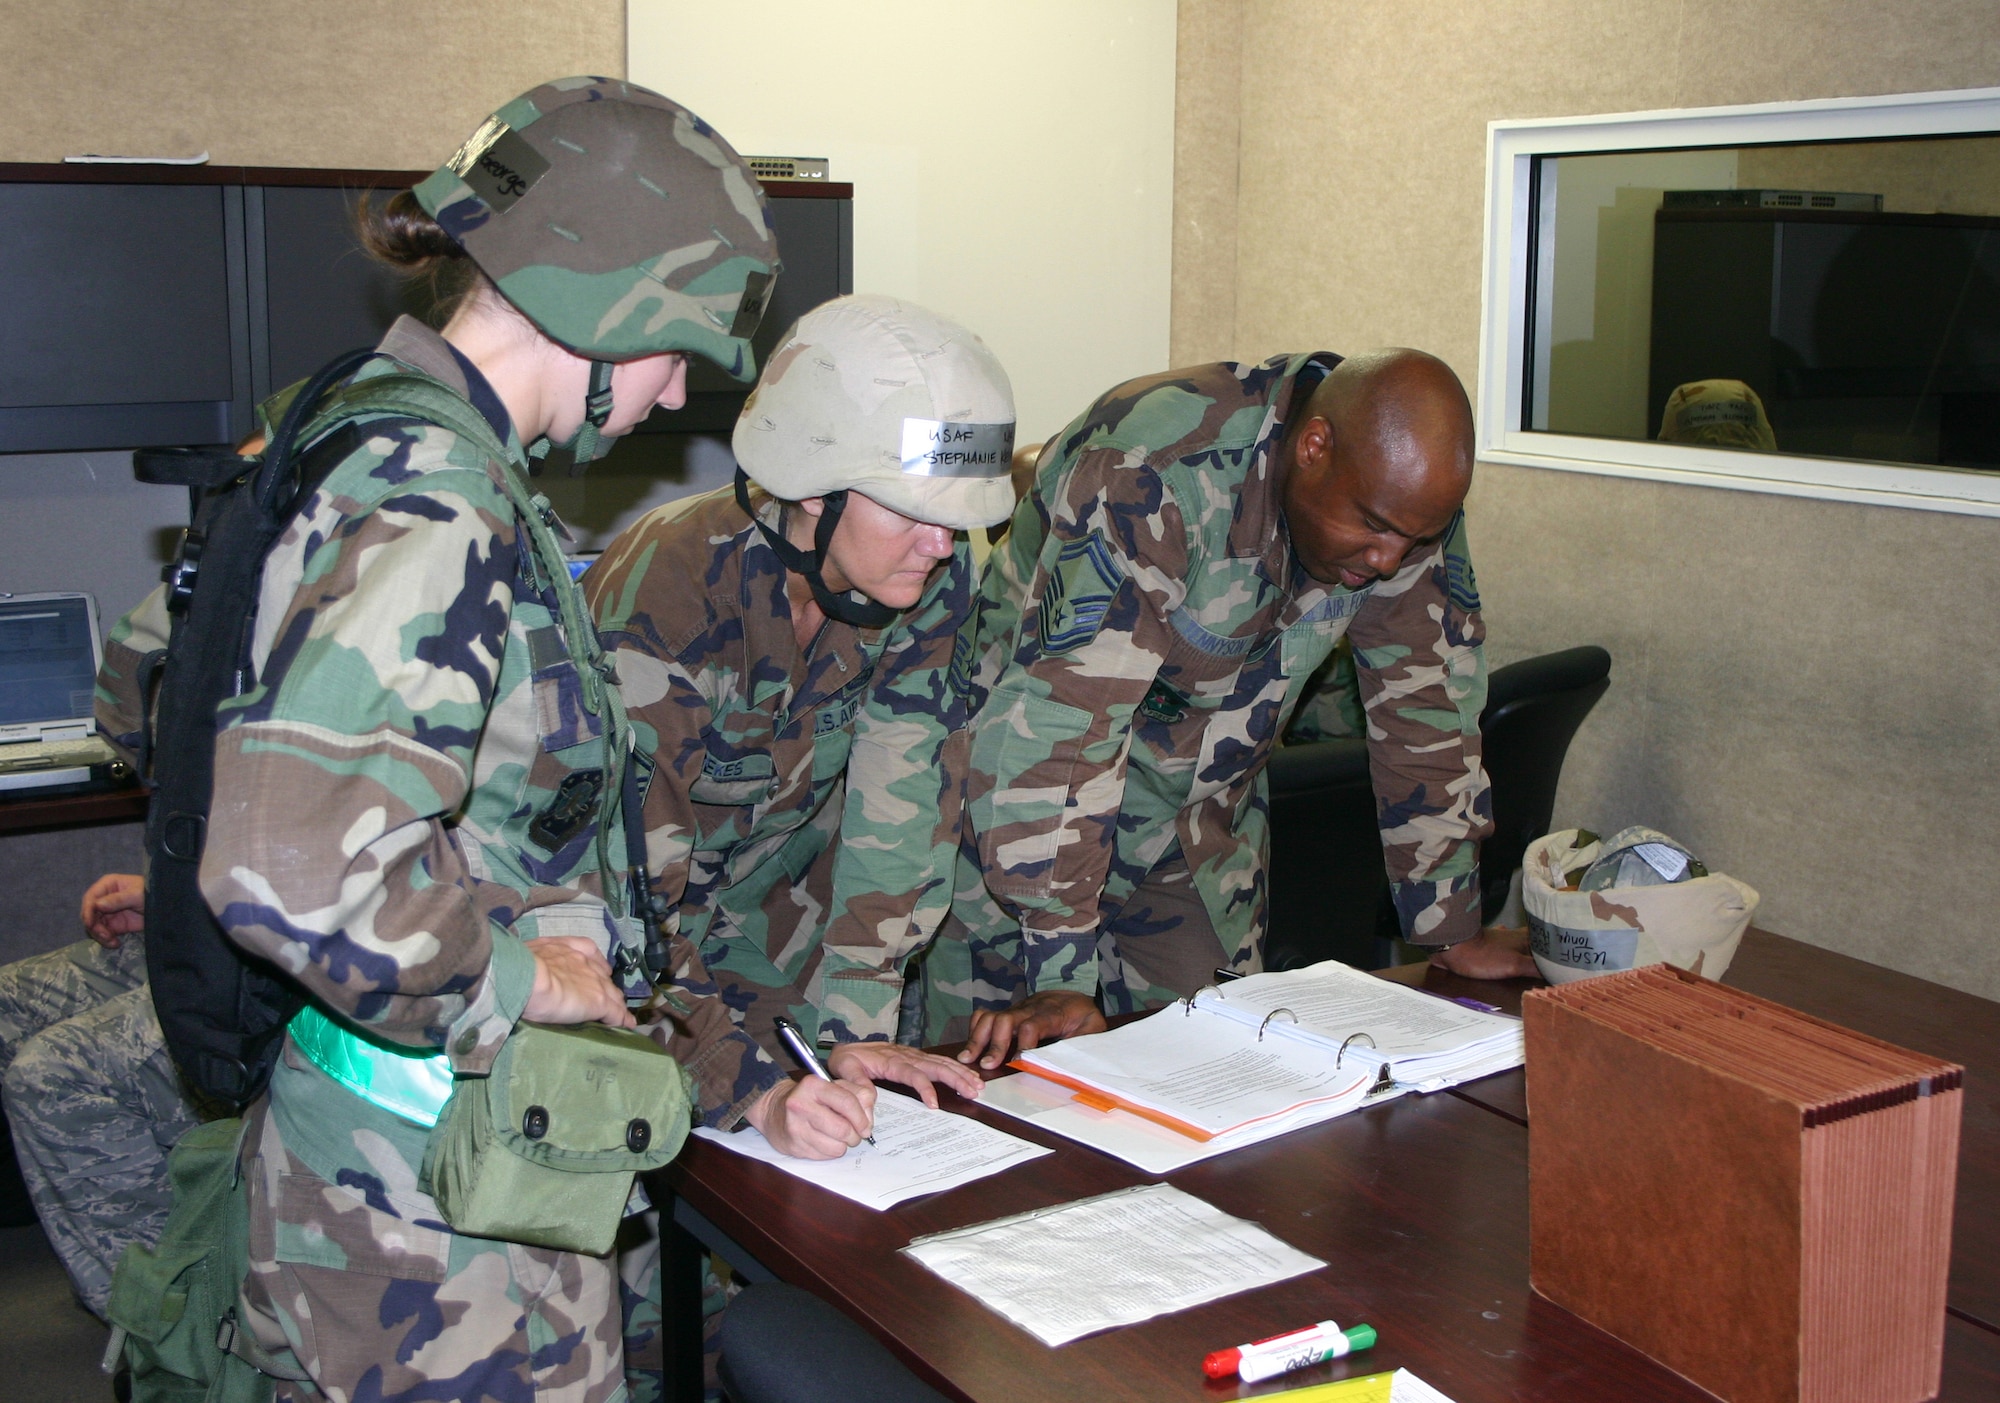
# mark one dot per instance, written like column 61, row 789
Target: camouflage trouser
column 639, row 1295
column 1155, row 946
column 94, row 1101
column 366, row 1289
column 641, row 1289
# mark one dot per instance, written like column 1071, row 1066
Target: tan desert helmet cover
column 880, row 396
column 1726, row 413
column 1693, row 924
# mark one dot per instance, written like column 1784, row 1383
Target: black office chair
column 1329, row 893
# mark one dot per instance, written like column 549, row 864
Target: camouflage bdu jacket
column 1145, row 634
column 803, row 814
column 375, row 792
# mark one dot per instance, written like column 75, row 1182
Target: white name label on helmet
column 943, row 448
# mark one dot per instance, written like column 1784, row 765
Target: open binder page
column 1152, row 1147
column 1200, row 1074
column 1422, row 1038
column 916, row 1151
column 1065, row 1272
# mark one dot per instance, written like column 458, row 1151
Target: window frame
column 1512, row 267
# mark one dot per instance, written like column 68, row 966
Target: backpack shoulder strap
column 412, row 396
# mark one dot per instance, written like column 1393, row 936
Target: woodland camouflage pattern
column 803, row 815
column 415, row 712
column 578, row 199
column 1144, row 635
column 94, row 1102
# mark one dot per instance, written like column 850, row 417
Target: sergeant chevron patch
column 1079, row 594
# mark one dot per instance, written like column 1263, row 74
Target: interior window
column 1825, row 299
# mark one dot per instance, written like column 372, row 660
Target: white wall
column 1012, row 163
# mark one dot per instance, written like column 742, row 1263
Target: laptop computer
column 49, row 656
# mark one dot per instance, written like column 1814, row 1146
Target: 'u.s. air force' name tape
column 942, row 448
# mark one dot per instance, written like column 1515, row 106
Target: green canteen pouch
column 542, row 1151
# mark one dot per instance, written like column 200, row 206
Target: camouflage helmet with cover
column 616, row 221
column 872, row 394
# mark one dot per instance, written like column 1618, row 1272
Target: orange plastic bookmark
column 1098, row 1100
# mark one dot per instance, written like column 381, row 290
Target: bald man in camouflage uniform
column 1194, row 548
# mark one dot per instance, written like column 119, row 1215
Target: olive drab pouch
column 173, row 1305
column 543, row 1150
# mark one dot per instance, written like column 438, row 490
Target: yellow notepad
column 1401, row 1386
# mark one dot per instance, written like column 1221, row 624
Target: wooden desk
column 1897, row 1008
column 1418, row 1206
column 34, row 812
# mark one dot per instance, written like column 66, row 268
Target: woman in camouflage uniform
column 787, row 656
column 404, row 814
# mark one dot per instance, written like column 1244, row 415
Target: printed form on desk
column 1065, row 1272
column 916, row 1151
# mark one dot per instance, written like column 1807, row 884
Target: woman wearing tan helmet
column 786, row 652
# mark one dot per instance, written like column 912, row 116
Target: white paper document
column 916, row 1151
column 1209, row 1075
column 1408, row 1388
column 1153, row 1148
column 1423, row 1039
column 1065, row 1272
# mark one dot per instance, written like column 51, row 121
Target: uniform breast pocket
column 1221, row 630
column 1307, row 645
column 733, row 779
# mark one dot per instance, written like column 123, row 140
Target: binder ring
column 1187, row 1004
column 1273, row 1014
column 1343, row 1047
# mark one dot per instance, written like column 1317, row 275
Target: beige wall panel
column 1364, row 137
column 1805, row 691
column 1207, row 80
column 361, row 83
column 1779, row 50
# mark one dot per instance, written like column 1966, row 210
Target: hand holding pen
column 818, row 1118
column 808, row 1060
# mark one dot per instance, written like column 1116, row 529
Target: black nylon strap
column 852, row 608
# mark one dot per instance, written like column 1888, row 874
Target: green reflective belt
column 402, row 1081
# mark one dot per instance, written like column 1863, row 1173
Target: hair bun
column 399, row 232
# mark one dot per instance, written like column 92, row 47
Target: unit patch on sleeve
column 1459, row 581
column 1079, row 594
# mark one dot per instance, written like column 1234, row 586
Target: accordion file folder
column 1759, row 1200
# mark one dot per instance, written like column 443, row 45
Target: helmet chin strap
column 860, row 611
column 588, row 443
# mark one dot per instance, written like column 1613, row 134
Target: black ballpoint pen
column 802, row 1053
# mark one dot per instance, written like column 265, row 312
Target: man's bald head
column 1376, row 461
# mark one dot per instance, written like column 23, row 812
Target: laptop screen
column 48, row 661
